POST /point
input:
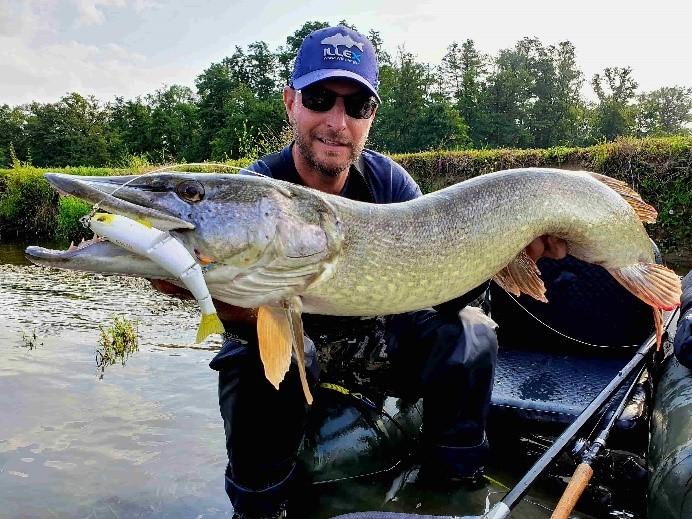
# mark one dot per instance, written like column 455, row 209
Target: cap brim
column 320, row 75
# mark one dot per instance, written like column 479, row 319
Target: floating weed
column 31, row 340
column 117, row 343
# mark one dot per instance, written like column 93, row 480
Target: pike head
column 261, row 240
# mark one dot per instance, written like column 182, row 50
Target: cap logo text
column 345, row 54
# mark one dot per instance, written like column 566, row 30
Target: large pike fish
column 287, row 249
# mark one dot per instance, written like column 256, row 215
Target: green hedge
column 659, row 169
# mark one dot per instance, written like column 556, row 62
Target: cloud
column 145, row 5
column 36, row 74
column 43, row 57
column 89, row 12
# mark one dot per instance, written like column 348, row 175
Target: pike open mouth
column 85, row 243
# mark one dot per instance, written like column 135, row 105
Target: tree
column 252, row 127
column 505, row 100
column 463, row 70
column 261, row 65
column 553, row 113
column 665, row 111
column 71, row 132
column 174, row 131
column 130, row 126
column 614, row 114
column 12, row 134
column 411, row 118
column 214, row 86
column 403, row 92
column 286, row 55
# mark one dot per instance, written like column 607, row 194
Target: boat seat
column 555, row 358
column 546, row 391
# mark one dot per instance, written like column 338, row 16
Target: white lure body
column 167, row 252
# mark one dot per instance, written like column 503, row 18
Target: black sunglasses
column 320, row 99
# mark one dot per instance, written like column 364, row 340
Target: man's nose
column 336, row 117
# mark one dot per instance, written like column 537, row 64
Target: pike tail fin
column 521, row 275
column 645, row 212
column 656, row 285
column 210, row 324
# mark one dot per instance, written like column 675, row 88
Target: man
column 331, row 103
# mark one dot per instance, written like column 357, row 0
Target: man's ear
column 289, row 99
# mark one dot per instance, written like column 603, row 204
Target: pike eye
column 190, row 191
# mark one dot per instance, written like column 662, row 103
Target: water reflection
column 146, row 441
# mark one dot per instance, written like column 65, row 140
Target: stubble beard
column 304, row 147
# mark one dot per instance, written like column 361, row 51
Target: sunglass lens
column 322, row 100
column 319, row 100
column 359, row 107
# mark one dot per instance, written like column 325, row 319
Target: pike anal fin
column 280, row 330
column 521, row 276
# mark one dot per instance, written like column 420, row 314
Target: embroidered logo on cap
column 345, row 54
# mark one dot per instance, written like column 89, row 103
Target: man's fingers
column 535, row 248
column 547, row 246
column 170, row 289
column 555, row 247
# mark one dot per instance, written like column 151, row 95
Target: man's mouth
column 332, row 142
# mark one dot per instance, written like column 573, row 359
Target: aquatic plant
column 31, row 340
column 116, row 344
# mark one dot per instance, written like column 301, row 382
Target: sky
column 130, row 48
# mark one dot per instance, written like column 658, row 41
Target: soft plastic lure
column 167, row 252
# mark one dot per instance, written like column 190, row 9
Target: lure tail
column 210, row 324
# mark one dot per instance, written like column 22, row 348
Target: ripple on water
column 55, row 301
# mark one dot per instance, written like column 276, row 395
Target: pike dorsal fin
column 521, row 276
column 645, row 212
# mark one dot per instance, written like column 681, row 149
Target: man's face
column 328, row 141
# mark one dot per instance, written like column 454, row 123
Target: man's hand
column 547, row 246
column 225, row 311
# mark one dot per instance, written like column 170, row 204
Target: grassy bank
column 659, row 169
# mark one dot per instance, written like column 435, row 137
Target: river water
column 144, row 440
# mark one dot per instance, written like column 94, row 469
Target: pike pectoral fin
column 279, row 330
column 293, row 311
column 521, row 275
column 654, row 284
column 274, row 338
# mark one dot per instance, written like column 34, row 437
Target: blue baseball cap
column 336, row 52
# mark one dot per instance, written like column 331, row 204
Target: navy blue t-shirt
column 374, row 178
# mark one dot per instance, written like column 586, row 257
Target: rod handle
column 575, row 488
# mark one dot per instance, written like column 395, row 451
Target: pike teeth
column 85, row 243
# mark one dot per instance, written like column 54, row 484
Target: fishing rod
column 502, row 509
column 584, row 471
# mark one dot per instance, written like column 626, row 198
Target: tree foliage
column 527, row 96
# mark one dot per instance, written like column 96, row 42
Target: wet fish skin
column 287, row 249
column 271, row 240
